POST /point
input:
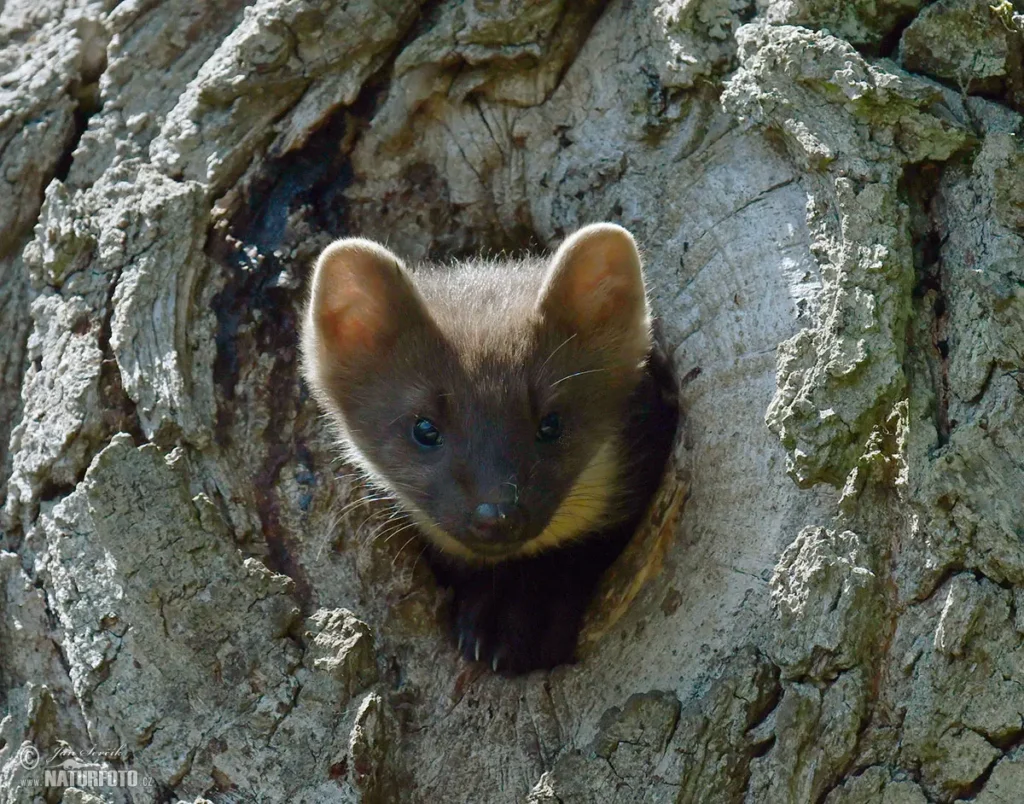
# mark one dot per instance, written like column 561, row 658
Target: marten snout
column 496, row 523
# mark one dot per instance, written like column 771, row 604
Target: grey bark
column 825, row 603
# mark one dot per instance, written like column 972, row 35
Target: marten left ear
column 595, row 289
column 361, row 302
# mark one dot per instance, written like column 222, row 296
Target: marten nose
column 496, row 522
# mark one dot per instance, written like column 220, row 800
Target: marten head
column 488, row 398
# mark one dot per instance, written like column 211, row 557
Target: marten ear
column 361, row 299
column 595, row 289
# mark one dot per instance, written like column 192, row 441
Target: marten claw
column 511, row 633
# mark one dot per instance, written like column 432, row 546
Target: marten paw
column 513, row 629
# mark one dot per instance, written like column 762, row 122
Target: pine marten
column 517, row 411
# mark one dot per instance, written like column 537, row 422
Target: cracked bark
column 822, row 610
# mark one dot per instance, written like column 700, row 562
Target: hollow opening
column 282, row 216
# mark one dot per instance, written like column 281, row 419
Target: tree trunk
column 824, row 605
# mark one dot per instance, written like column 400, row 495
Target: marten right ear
column 595, row 289
column 361, row 299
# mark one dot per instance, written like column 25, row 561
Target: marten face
column 498, row 433
column 493, row 458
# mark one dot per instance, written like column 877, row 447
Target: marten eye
column 426, row 434
column 550, row 428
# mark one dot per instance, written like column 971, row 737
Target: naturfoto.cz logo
column 66, row 769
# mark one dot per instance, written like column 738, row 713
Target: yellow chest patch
column 587, row 505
